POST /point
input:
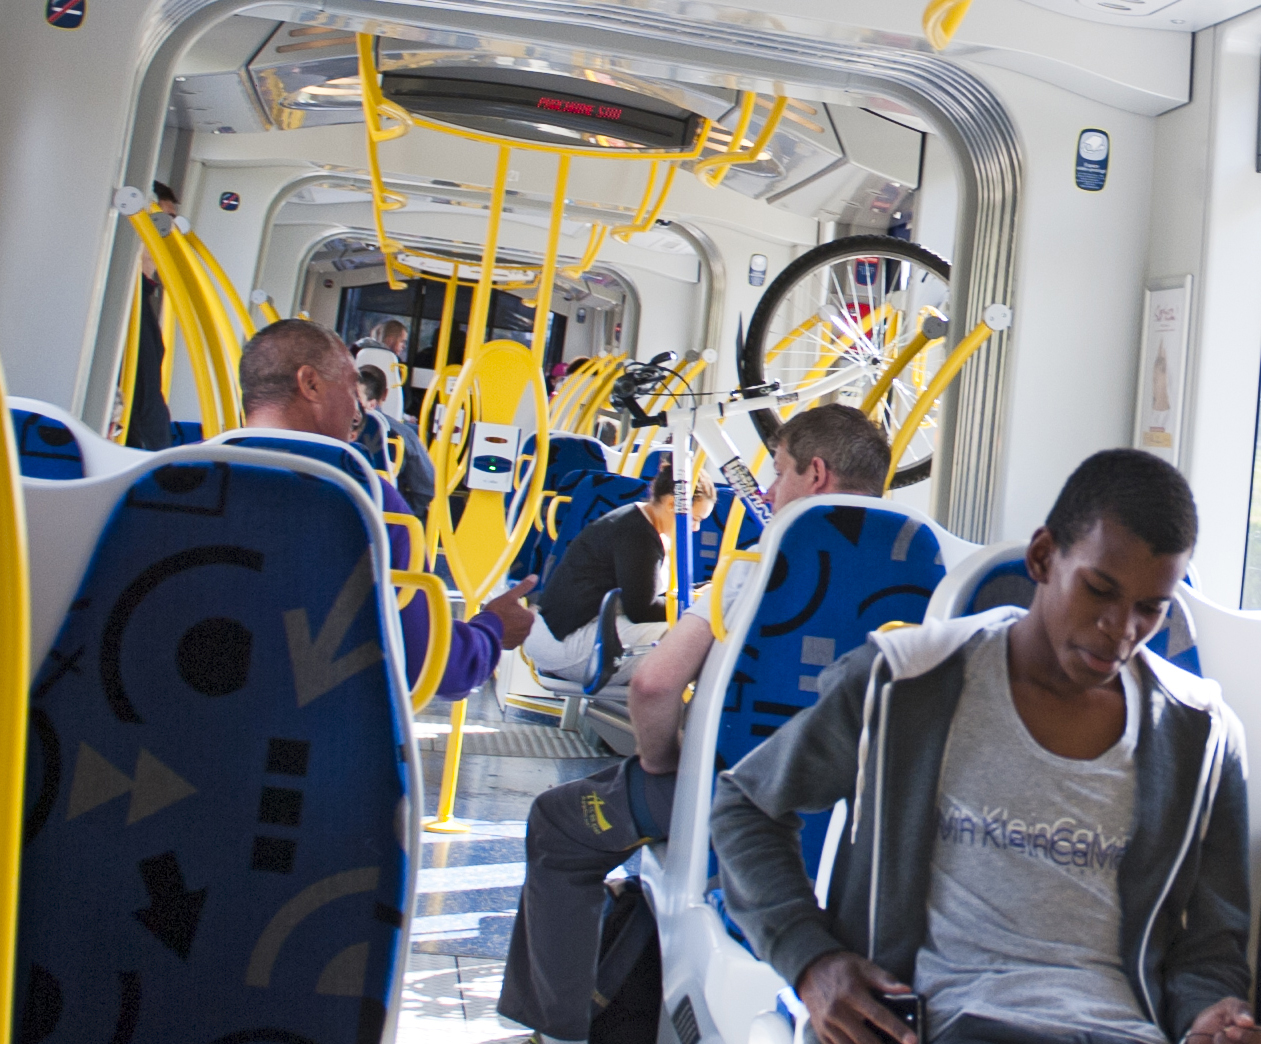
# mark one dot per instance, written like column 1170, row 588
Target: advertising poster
column 1163, row 368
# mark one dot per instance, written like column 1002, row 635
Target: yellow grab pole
column 942, row 19
column 221, row 277
column 547, row 274
column 15, row 652
column 374, row 107
column 441, row 351
column 997, row 317
column 568, row 388
column 445, row 821
column 872, row 399
column 480, row 309
column 730, row 159
column 263, row 302
column 178, row 296
column 131, row 357
column 748, row 102
column 168, row 347
column 594, row 243
column 215, row 326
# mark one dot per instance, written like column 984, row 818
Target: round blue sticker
column 1093, row 149
column 229, row 201
column 66, row 14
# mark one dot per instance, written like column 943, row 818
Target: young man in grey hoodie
column 1048, row 827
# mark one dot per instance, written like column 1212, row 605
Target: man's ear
column 819, row 475
column 310, row 385
column 1038, row 555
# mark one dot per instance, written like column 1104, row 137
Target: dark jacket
column 150, row 425
column 876, row 737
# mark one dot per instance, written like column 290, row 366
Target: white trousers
column 568, row 659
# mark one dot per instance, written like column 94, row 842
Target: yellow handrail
column 374, row 107
column 547, row 275
column 571, row 401
column 721, row 162
column 479, row 310
column 131, row 359
column 438, row 647
column 415, row 550
column 178, row 296
column 225, row 284
column 585, row 421
column 748, row 102
column 953, row 364
column 942, row 19
column 569, row 388
column 716, row 622
column 918, row 343
column 168, row 347
column 15, row 654
column 645, row 218
column 395, row 443
column 423, row 423
column 551, row 513
column 594, row 243
column 265, row 307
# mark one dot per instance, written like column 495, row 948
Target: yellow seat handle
column 716, row 622
column 438, row 648
column 551, row 513
column 415, row 552
column 395, row 443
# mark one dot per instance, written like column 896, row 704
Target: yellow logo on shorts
column 593, row 813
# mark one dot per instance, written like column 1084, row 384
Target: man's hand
column 517, row 619
column 1229, row 1021
column 837, row 989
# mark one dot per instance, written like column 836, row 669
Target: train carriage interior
column 581, row 243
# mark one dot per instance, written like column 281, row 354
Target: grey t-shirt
column 1024, row 915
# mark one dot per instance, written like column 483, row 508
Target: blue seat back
column 840, row 573
column 217, row 777
column 47, row 448
column 707, row 540
column 347, row 457
column 1009, row 583
column 186, row 433
column 594, row 496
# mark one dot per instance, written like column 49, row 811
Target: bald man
column 300, row 376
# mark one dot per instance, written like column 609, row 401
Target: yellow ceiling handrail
column 225, row 284
column 15, row 654
column 721, row 162
column 646, row 216
column 942, row 19
column 748, row 102
column 375, row 107
column 547, row 275
column 594, row 243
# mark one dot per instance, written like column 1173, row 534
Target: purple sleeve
column 475, row 646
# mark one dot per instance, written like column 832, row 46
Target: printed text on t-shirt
column 1062, row 842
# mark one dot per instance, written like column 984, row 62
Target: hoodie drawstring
column 864, row 744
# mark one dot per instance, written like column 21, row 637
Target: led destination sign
column 530, row 106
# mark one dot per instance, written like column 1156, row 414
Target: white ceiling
column 1174, row 15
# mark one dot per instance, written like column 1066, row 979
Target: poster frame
column 1177, row 349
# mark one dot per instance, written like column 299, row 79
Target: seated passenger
column 622, row 549
column 415, row 478
column 298, row 375
column 1059, row 817
column 579, row 831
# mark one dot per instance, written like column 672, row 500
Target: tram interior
column 504, row 195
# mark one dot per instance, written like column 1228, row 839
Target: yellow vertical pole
column 480, row 310
column 547, row 275
column 131, row 360
column 15, row 654
column 478, row 313
column 441, row 351
column 168, row 347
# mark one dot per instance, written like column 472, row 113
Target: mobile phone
column 908, row 1007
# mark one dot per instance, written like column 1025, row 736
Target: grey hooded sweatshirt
column 876, row 738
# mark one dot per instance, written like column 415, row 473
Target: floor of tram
column 469, row 884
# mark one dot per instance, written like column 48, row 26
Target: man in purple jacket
column 300, row 376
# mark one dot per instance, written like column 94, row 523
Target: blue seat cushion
column 215, row 785
column 185, row 433
column 594, row 496
column 47, row 448
column 840, row 573
column 348, row 458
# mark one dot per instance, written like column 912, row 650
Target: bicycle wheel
column 854, row 303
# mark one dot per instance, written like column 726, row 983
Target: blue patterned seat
column 997, row 576
column 594, row 496
column 708, row 539
column 221, row 781
column 566, row 454
column 47, row 447
column 349, row 458
column 53, row 444
column 840, row 572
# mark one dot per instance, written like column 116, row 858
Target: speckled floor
column 468, row 888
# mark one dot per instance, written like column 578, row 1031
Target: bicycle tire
column 750, row 361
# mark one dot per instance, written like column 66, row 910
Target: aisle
column 469, row 884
